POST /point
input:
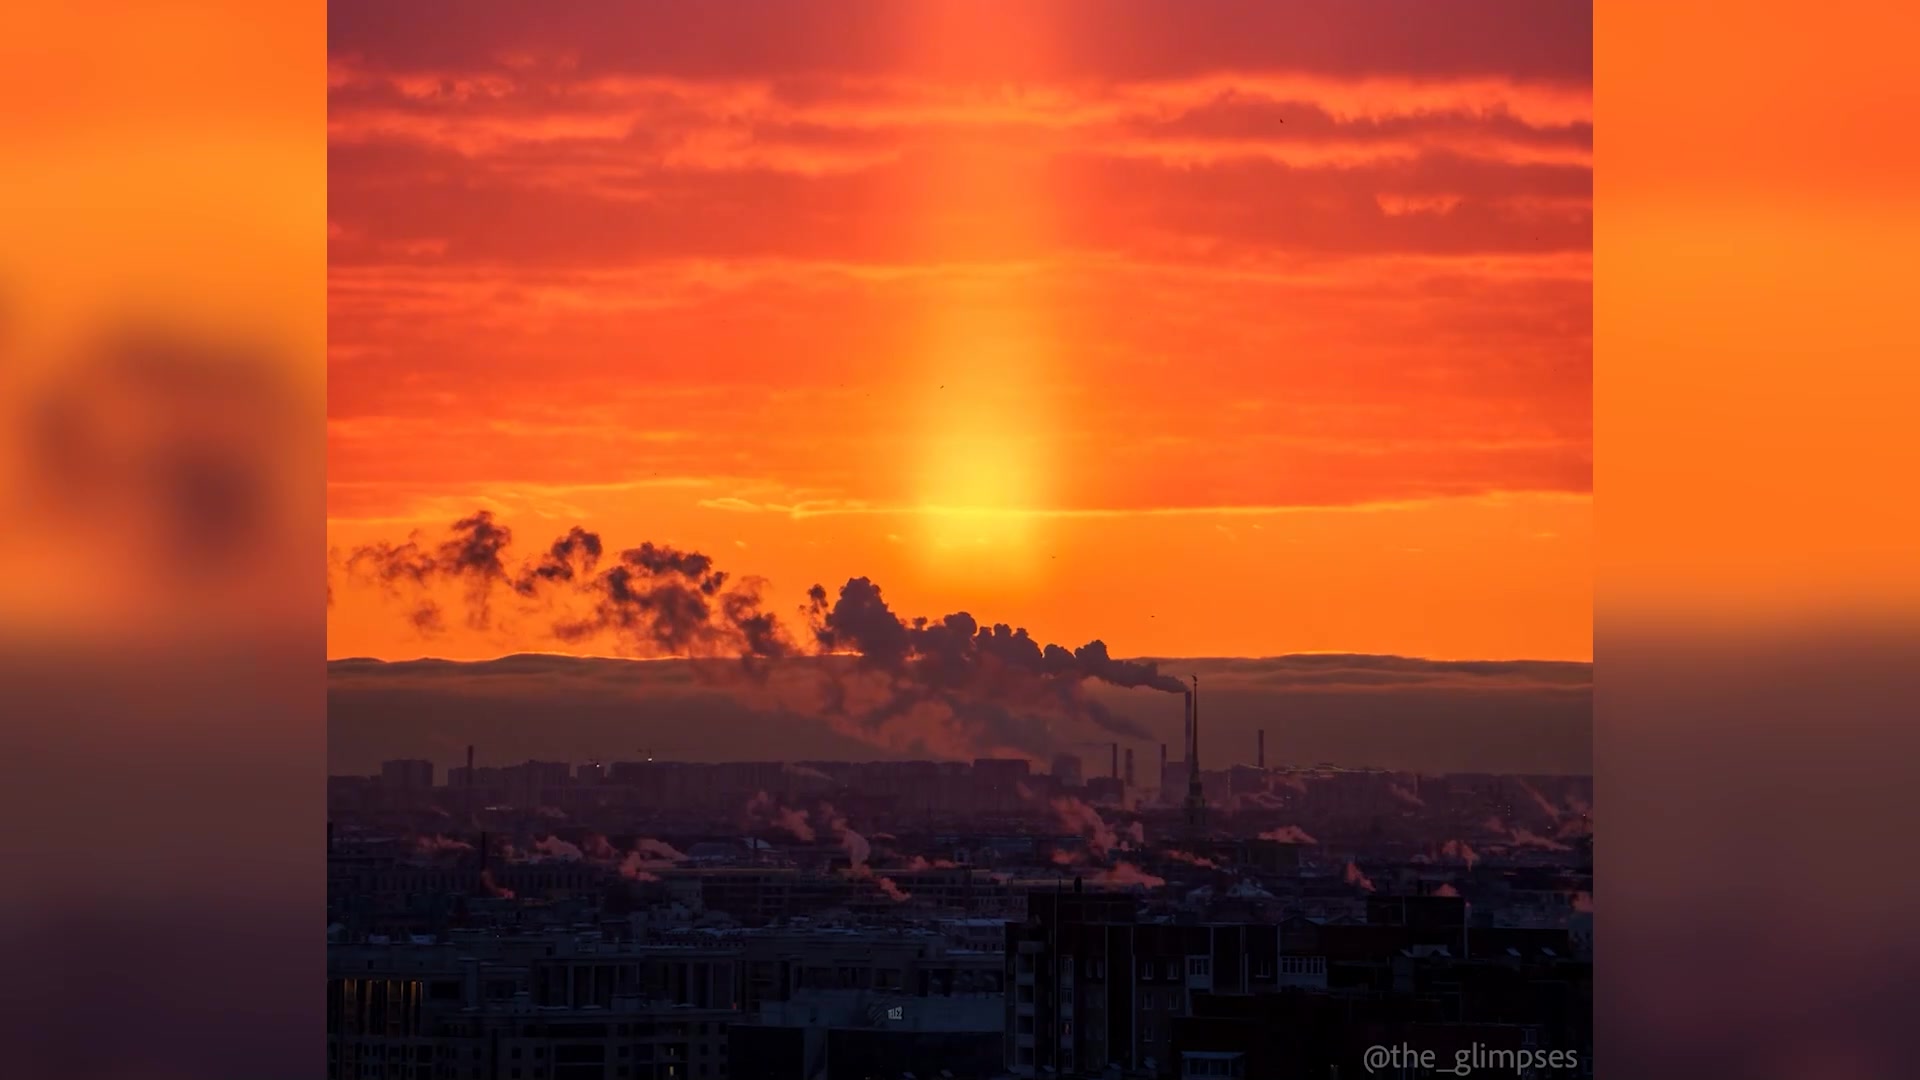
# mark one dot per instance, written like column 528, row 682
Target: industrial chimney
column 1186, row 733
column 1260, row 758
column 1193, row 723
column 1196, row 798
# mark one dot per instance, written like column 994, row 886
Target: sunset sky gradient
column 1260, row 333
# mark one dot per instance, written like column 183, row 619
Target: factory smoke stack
column 1186, row 731
column 1196, row 798
column 1260, row 750
column 1193, row 725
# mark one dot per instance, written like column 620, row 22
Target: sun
column 983, row 474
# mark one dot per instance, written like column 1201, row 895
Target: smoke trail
column 951, row 683
column 1458, row 849
column 429, row 847
column 1546, row 807
column 1524, row 838
column 654, row 600
column 762, row 810
column 982, row 675
column 1126, row 873
column 1076, row 816
column 471, row 556
column 1355, row 877
column 659, row 849
column 1288, row 834
column 1404, row 795
column 555, row 848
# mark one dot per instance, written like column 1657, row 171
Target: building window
column 1199, row 967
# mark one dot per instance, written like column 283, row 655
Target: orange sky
column 1237, row 337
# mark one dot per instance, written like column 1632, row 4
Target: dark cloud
column 397, row 194
column 1126, row 39
column 471, row 556
column 653, row 601
column 673, row 602
column 571, row 557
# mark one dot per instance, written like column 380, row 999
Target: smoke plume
column 984, row 676
column 470, row 556
column 429, row 847
column 1125, row 873
column 1458, row 849
column 1288, row 834
column 653, row 601
column 1076, row 816
column 659, row 849
column 951, row 683
column 553, row 847
column 763, row 811
column 1546, row 807
column 1405, row 795
column 1523, row 838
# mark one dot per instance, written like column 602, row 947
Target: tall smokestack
column 1163, row 759
column 1129, row 776
column 1260, row 758
column 1116, row 761
column 1186, row 732
column 1193, row 750
column 1196, row 798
